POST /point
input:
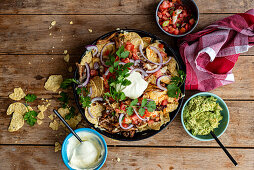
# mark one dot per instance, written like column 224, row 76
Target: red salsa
column 174, row 17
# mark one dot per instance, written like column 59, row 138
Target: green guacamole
column 201, row 115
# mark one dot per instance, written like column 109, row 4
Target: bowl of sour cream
column 91, row 154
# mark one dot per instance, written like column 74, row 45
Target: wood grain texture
column 16, row 71
column 30, row 34
column 112, row 6
column 238, row 134
column 43, row 157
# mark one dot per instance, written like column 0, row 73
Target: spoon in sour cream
column 67, row 125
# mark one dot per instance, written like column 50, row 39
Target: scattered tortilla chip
column 17, row 122
column 51, row 117
column 17, row 107
column 73, row 122
column 53, row 83
column 67, row 58
column 70, row 69
column 42, row 109
column 58, row 146
column 18, row 94
column 63, row 111
column 54, row 125
column 39, row 122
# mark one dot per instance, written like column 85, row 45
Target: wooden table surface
column 30, row 52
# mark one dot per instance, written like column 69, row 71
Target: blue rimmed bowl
column 66, row 142
column 223, row 123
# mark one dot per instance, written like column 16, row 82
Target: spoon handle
column 224, row 149
column 67, row 125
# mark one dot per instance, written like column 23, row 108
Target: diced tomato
column 164, row 102
column 171, row 29
column 126, row 120
column 106, row 84
column 129, row 46
column 93, row 72
column 126, row 60
column 117, row 110
column 135, row 119
column 192, row 21
column 147, row 114
column 166, row 29
column 157, row 73
column 117, row 58
column 124, row 125
column 161, row 46
column 106, row 53
column 186, row 26
column 182, row 30
column 157, row 119
column 163, row 54
column 150, row 122
column 165, row 5
column 164, row 17
column 176, row 31
column 122, row 107
column 159, row 14
column 184, row 12
column 135, row 56
column 111, row 99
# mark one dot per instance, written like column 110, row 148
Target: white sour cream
column 136, row 88
column 85, row 155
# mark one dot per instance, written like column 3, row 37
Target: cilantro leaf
column 134, row 102
column 71, row 114
column 129, row 111
column 85, row 101
column 151, row 104
column 30, row 97
column 144, row 102
column 78, row 90
column 172, row 90
column 122, row 96
column 124, row 54
column 119, row 51
column 67, row 82
column 141, row 111
column 30, row 117
column 111, row 69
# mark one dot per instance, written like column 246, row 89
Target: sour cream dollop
column 136, row 88
column 85, row 155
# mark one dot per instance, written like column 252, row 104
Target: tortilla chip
column 134, row 38
column 97, row 86
column 73, row 122
column 96, row 110
column 58, row 146
column 51, row 117
column 70, row 69
column 172, row 65
column 63, row 111
column 39, row 122
column 54, row 125
column 53, row 83
column 42, row 109
column 30, row 108
column 17, row 107
column 18, row 94
column 67, row 58
column 170, row 107
column 17, row 122
column 155, row 125
column 87, row 58
column 147, row 41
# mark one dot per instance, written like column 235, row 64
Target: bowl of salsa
column 177, row 18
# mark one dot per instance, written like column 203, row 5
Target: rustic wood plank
column 112, row 6
column 16, row 71
column 43, row 157
column 238, row 134
column 30, row 34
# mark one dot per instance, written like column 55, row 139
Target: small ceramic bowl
column 66, row 142
column 189, row 4
column 223, row 123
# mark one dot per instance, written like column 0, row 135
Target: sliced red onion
column 92, row 101
column 141, row 70
column 141, row 51
column 101, row 55
column 132, row 61
column 96, row 66
column 106, row 73
column 137, row 62
column 92, row 47
column 158, row 82
column 120, row 122
column 90, row 92
column 155, row 70
column 139, row 115
column 87, row 76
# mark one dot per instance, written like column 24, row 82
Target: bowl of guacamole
column 202, row 113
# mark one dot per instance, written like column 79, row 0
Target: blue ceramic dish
column 223, row 123
column 66, row 142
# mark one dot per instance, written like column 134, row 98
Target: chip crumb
column 70, row 69
column 61, row 39
column 117, row 29
column 73, row 122
column 29, row 62
column 63, row 111
column 39, row 122
column 71, row 22
column 18, row 94
column 16, row 141
column 42, row 109
column 53, row 47
column 58, row 146
column 90, row 30
column 53, row 23
column 51, row 117
column 30, row 108
column 53, row 83
column 67, row 58
column 54, row 125
column 42, row 99
column 50, row 33
column 118, row 159
column 65, row 52
column 52, row 58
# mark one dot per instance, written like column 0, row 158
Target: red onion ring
column 138, row 115
column 132, row 61
column 96, row 65
column 106, row 73
column 155, row 70
column 137, row 62
column 120, row 122
column 158, row 82
column 92, row 101
column 87, row 76
column 141, row 70
column 92, row 47
column 101, row 55
column 90, row 92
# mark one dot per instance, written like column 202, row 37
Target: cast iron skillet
column 147, row 133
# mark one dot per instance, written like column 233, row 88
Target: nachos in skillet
column 128, row 84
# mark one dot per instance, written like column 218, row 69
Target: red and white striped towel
column 211, row 54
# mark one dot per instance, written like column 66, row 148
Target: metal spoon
column 67, row 125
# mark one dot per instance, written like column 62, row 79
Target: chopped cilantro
column 71, row 114
column 175, row 83
column 30, row 97
column 30, row 117
column 145, row 104
column 64, row 99
column 67, row 82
